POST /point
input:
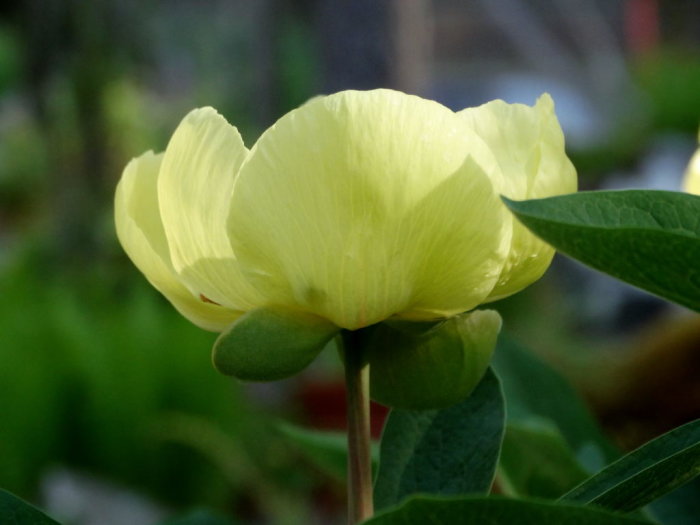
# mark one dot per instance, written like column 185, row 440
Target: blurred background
column 110, row 411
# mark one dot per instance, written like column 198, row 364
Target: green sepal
column 421, row 366
column 268, row 344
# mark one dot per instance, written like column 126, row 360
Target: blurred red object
column 324, row 407
column 641, row 19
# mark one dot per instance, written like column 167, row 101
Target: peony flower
column 357, row 207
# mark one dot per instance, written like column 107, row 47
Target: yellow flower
column 356, row 207
column 691, row 183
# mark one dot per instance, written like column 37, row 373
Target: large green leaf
column 14, row 511
column 449, row 451
column 645, row 474
column 533, row 388
column 536, row 461
column 495, row 511
column 650, row 239
column 327, row 450
column 680, row 507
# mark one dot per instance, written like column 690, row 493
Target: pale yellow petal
column 363, row 205
column 140, row 232
column 194, row 194
column 528, row 145
column 691, row 183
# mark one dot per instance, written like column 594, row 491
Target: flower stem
column 360, row 505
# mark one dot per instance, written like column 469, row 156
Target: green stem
column 360, row 505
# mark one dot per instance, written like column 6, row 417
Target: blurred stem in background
column 368, row 44
column 73, row 52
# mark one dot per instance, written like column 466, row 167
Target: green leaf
column 533, row 388
column 680, row 507
column 18, row 512
column 327, row 450
column 650, row 239
column 495, row 511
column 267, row 344
column 536, row 461
column 645, row 474
column 430, row 365
column 449, row 451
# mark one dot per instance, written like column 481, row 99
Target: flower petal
column 194, row 193
column 140, row 232
column 461, row 234
column 362, row 205
column 691, row 182
column 528, row 146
